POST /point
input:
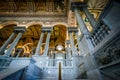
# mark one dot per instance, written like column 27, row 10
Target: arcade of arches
column 59, row 40
column 29, row 40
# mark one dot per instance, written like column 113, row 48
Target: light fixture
column 59, row 47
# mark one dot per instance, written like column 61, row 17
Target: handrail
column 108, row 75
column 4, row 75
column 59, row 73
column 59, row 59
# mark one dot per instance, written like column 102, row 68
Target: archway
column 5, row 32
column 58, row 36
column 57, row 44
column 30, row 40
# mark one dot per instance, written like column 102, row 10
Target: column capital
column 72, row 29
column 19, row 29
column 47, row 29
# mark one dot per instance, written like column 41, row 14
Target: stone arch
column 33, row 23
column 6, row 30
column 60, row 23
column 8, row 23
column 33, row 30
column 31, row 35
column 58, row 35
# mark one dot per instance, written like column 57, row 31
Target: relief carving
column 109, row 54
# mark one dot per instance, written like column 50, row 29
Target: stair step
column 52, row 78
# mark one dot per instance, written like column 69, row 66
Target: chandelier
column 59, row 47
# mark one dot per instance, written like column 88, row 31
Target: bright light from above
column 59, row 47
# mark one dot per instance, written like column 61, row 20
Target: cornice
column 10, row 14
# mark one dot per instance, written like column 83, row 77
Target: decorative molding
column 20, row 29
column 47, row 29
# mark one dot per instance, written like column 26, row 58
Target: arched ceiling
column 6, row 31
column 31, row 35
column 34, row 31
column 96, row 4
column 58, row 35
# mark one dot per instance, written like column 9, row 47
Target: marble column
column 2, row 49
column 19, row 53
column 14, row 43
column 72, row 44
column 47, row 44
column 39, row 44
column 81, row 23
column 51, row 58
column 54, row 58
column 90, row 17
column 68, row 53
column 78, row 41
column 68, row 49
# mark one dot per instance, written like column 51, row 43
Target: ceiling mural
column 37, row 10
column 33, row 6
column 58, row 36
column 34, row 31
column 4, row 31
column 30, row 38
column 96, row 4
